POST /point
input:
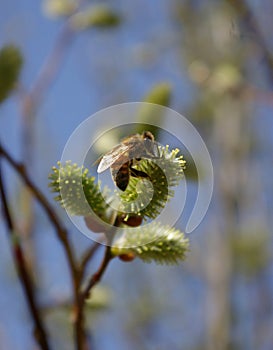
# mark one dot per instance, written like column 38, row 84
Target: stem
column 79, row 314
column 20, row 263
column 96, row 277
column 87, row 256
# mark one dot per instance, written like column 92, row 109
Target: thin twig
column 21, row 267
column 86, row 258
column 96, row 277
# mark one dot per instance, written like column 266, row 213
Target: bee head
column 148, row 135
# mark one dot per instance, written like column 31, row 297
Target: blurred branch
column 21, row 267
column 47, row 73
column 244, row 10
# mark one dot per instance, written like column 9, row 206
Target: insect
column 123, row 156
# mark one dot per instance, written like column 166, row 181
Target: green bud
column 59, row 8
column 95, row 16
column 153, row 242
column 11, row 61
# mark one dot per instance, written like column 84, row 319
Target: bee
column 123, row 156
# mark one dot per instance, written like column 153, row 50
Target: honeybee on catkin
column 122, row 158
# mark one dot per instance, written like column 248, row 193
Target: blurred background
column 212, row 61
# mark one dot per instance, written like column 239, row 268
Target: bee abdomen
column 121, row 177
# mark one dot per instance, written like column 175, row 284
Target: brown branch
column 81, row 339
column 60, row 230
column 79, row 312
column 21, row 267
column 96, row 277
column 88, row 254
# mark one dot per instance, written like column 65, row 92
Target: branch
column 61, row 233
column 20, row 263
column 249, row 18
column 79, row 311
column 108, row 256
column 47, row 73
column 60, row 230
column 86, row 258
column 96, row 277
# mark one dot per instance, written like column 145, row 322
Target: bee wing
column 154, row 150
column 96, row 162
column 150, row 150
column 112, row 156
